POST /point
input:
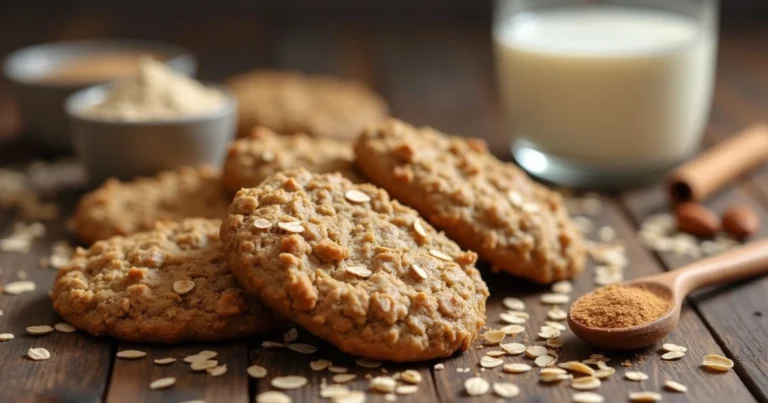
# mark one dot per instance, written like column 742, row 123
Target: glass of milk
column 605, row 93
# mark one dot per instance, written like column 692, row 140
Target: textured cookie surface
column 121, row 208
column 251, row 159
column 290, row 102
column 167, row 285
column 485, row 205
column 354, row 267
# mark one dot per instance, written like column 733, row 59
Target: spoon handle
column 746, row 261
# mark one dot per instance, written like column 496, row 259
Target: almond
column 696, row 219
column 740, row 221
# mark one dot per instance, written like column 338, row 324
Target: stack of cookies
column 291, row 230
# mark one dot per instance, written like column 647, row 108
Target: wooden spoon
column 736, row 264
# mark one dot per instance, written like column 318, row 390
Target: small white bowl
column 126, row 149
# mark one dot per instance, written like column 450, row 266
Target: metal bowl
column 41, row 102
column 126, row 149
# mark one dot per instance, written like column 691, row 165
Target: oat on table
column 354, row 267
column 262, row 153
column 121, row 208
column 485, row 205
column 168, row 285
column 289, row 102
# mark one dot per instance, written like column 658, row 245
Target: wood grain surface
column 432, row 73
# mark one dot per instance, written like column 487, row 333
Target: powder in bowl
column 618, row 306
column 156, row 93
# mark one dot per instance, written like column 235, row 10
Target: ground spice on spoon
column 618, row 306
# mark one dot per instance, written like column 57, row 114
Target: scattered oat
column 261, row 223
column 411, row 376
column 208, row 354
column 366, row 363
column 544, row 361
column 354, row 396
column 494, row 336
column 383, row 384
column 553, row 377
column 635, row 376
column 288, row 382
column 606, row 234
column 291, row 226
column 337, row 370
column 319, row 365
column 506, row 389
column 495, row 353
column 576, row 366
column 515, row 318
column 203, row 365
column 513, row 329
column 165, row 361
column 271, row 344
column 555, row 299
column 556, row 325
column 162, row 383
column 585, row 383
column 476, row 386
column 39, row 330
column 562, row 287
column 6, row 336
column 548, row 332
column 673, row 347
column 217, row 371
column 587, row 397
column 644, row 396
column 513, row 304
column 440, row 255
column 19, row 287
column 554, row 342
column 439, row 366
column 64, row 327
column 717, row 363
column 333, row 391
column 516, row 368
column 535, row 351
column 490, row 362
column 38, row 354
column 182, row 287
column 273, row 397
column 257, row 371
column 358, row 271
column 357, row 196
column 672, row 355
column 194, row 358
column 406, row 389
column 552, row 371
column 675, row 386
column 603, row 373
column 131, row 354
column 343, row 378
column 302, row 348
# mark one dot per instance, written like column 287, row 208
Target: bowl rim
column 178, row 55
column 75, row 102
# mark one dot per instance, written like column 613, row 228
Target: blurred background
column 448, row 81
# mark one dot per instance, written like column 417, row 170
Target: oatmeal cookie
column 121, row 208
column 354, row 267
column 168, row 285
column 251, row 159
column 484, row 204
column 289, row 102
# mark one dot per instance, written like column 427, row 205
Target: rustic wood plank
column 692, row 333
column 79, row 365
column 131, row 378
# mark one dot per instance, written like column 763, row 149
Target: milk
column 608, row 86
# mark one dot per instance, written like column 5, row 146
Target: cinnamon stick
column 699, row 178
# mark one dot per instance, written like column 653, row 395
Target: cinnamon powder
column 619, row 306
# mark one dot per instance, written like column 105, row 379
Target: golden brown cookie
column 121, row 208
column 168, row 285
column 289, row 102
column 354, row 267
column 482, row 203
column 251, row 159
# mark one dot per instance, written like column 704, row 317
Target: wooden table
column 436, row 74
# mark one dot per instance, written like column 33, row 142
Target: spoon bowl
column 675, row 285
column 633, row 337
